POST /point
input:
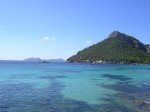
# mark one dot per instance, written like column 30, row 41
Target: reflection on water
column 32, row 87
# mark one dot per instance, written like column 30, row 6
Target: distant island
column 43, row 60
column 117, row 48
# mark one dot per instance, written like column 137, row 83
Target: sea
column 74, row 87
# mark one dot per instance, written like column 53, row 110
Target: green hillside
column 117, row 48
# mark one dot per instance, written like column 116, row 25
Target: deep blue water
column 66, row 87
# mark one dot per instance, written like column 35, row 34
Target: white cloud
column 87, row 42
column 48, row 38
column 45, row 38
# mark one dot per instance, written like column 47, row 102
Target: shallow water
column 62, row 87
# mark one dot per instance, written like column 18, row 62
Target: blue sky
column 60, row 28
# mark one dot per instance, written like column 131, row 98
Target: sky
column 60, row 28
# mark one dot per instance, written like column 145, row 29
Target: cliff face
column 147, row 48
column 117, row 48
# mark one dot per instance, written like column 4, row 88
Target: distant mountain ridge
column 117, row 48
column 32, row 59
column 43, row 60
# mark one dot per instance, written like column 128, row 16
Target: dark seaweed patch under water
column 137, row 95
column 127, row 87
column 53, row 77
column 116, row 77
column 23, row 97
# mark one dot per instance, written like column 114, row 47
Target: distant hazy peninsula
column 117, row 48
column 32, row 59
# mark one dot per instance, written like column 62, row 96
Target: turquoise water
column 65, row 87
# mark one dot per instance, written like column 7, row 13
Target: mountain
column 117, row 48
column 44, row 60
column 33, row 59
column 56, row 60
